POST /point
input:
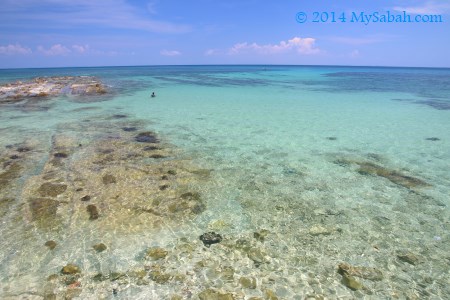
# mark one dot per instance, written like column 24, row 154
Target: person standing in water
column 153, row 94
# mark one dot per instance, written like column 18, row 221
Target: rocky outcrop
column 50, row 87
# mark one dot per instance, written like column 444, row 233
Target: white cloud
column 300, row 45
column 85, row 14
column 170, row 52
column 430, row 7
column 54, row 50
column 211, row 52
column 80, row 49
column 14, row 49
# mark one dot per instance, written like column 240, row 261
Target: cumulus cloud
column 80, row 49
column 14, row 49
column 170, row 52
column 297, row 44
column 54, row 50
column 430, row 7
column 210, row 52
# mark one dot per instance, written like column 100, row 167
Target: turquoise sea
column 322, row 182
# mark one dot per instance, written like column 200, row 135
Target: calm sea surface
column 322, row 182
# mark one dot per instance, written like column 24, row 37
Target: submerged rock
column 23, row 149
column 351, row 282
column 70, row 269
column 396, row 177
column 151, row 148
column 61, row 155
column 362, row 272
column 146, row 137
column 119, row 116
column 257, row 255
column 270, row 295
column 164, row 187
column 93, row 212
column 172, row 172
column 157, row 156
column 433, row 139
column 129, row 129
column 85, row 198
column 409, row 257
column 43, row 208
column 198, row 208
column 12, row 172
column 159, row 277
column 369, row 168
column 99, row 247
column 227, row 273
column 210, row 294
column 5, row 204
column 261, row 235
column 50, row 244
column 190, row 196
column 108, row 179
column 50, row 189
column 210, row 238
column 248, row 282
column 157, row 253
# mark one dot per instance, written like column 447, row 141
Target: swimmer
column 153, row 94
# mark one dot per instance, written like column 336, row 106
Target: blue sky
column 59, row 33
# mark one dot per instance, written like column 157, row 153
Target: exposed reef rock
column 50, row 87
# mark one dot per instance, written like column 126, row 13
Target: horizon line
column 204, row 65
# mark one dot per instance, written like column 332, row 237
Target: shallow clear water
column 330, row 165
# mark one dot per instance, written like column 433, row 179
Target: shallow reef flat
column 50, row 87
column 97, row 182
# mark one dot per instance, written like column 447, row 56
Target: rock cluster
column 52, row 86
